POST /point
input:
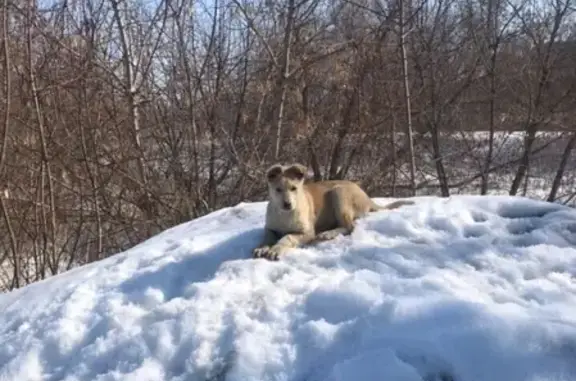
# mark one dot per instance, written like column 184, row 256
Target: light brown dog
column 299, row 213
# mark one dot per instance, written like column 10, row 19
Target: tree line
column 121, row 118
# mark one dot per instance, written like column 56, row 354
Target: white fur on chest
column 284, row 222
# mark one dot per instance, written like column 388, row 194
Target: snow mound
column 460, row 289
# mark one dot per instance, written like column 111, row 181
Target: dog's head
column 285, row 184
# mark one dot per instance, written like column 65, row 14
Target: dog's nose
column 287, row 205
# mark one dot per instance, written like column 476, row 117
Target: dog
column 300, row 212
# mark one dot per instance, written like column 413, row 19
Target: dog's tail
column 392, row 205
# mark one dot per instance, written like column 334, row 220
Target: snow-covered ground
column 461, row 289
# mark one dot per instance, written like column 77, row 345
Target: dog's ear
column 296, row 172
column 273, row 172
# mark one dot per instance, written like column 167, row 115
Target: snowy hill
column 461, row 289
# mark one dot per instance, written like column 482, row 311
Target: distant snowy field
column 461, row 289
column 464, row 156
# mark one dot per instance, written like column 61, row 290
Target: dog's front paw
column 274, row 253
column 260, row 252
column 270, row 253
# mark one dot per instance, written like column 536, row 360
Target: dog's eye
column 292, row 189
column 278, row 190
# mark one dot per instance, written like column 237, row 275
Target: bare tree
column 535, row 114
column 409, row 130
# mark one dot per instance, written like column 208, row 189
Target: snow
column 467, row 288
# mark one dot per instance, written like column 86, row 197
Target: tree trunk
column 407, row 101
column 45, row 165
column 492, row 115
column 283, row 75
column 524, row 161
column 439, row 164
column 562, row 167
column 130, row 91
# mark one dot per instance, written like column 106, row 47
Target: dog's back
column 333, row 199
